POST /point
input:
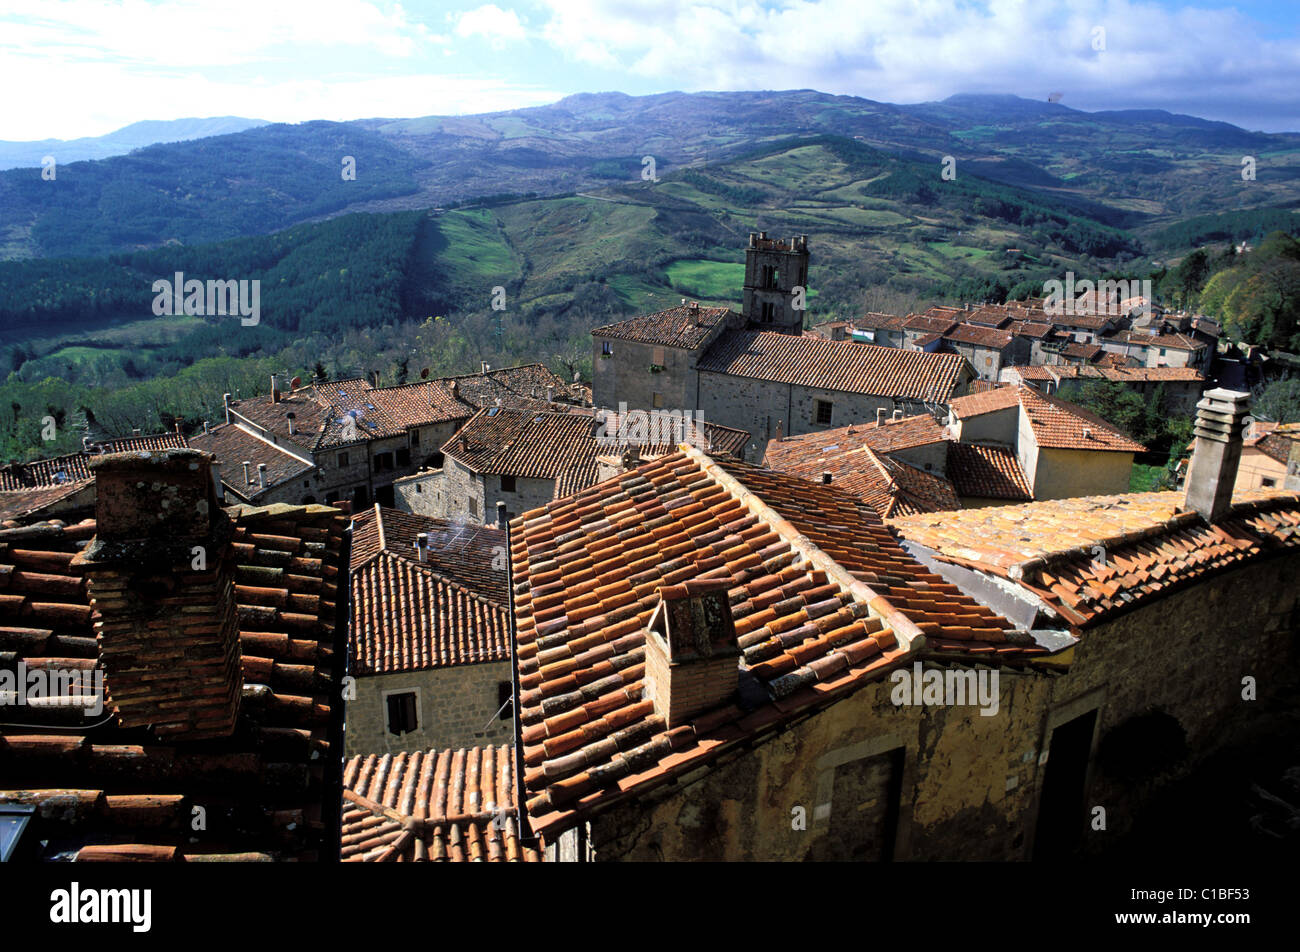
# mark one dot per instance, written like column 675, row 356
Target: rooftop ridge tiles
column 909, row 635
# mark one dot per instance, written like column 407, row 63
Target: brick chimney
column 160, row 575
column 692, row 658
column 1220, row 419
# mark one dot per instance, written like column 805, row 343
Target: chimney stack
column 826, row 477
column 1220, row 419
column 550, row 394
column 880, row 416
column 205, row 427
column 160, row 576
column 248, row 478
column 135, row 431
column 898, row 414
column 692, row 658
column 275, row 388
column 502, row 517
column 261, row 475
column 422, row 546
column 225, row 402
column 293, row 422
column 484, row 366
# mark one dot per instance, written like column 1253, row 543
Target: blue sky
column 85, row 67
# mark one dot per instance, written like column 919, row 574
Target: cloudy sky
column 86, row 67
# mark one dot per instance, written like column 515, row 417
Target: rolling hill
column 1139, row 170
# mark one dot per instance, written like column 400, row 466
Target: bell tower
column 774, row 269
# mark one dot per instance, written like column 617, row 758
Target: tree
column 1278, row 401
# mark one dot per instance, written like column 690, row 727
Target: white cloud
column 491, row 22
column 914, row 50
column 189, row 33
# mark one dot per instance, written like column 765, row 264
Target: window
column 657, row 400
column 403, row 457
column 771, row 276
column 403, row 711
column 507, row 484
column 383, row 461
column 343, row 460
column 768, row 313
column 606, row 349
column 1268, row 483
column 657, row 356
column 505, row 700
column 415, row 437
column 1162, row 351
column 419, row 488
column 331, row 497
column 472, row 505
column 822, row 413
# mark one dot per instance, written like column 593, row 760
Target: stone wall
column 625, row 376
column 455, row 708
column 970, row 784
column 758, row 405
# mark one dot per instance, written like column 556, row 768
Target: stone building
column 1265, row 454
column 428, row 644
column 351, row 440
column 928, row 469
column 1063, row 449
column 756, row 371
column 1181, row 386
column 519, row 460
column 718, row 662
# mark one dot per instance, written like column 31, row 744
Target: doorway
column 1062, row 812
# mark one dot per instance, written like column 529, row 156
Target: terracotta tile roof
column 814, row 618
column 1168, row 341
column 433, row 806
column 1061, row 425
column 991, row 472
column 988, row 315
column 903, row 488
column 321, row 409
column 466, row 553
column 675, row 327
column 311, row 416
column 575, row 476
column 989, row 401
column 1273, row 439
column 107, row 792
column 1092, row 557
column 1101, row 372
column 807, row 455
column 1113, row 360
column 875, row 320
column 419, row 404
column 520, row 443
column 543, row 445
column 406, row 617
column 934, row 321
column 233, row 445
column 522, row 387
column 61, row 470
column 1082, row 351
column 979, row 336
column 1083, row 321
column 23, row 505
column 1031, row 329
column 836, row 365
